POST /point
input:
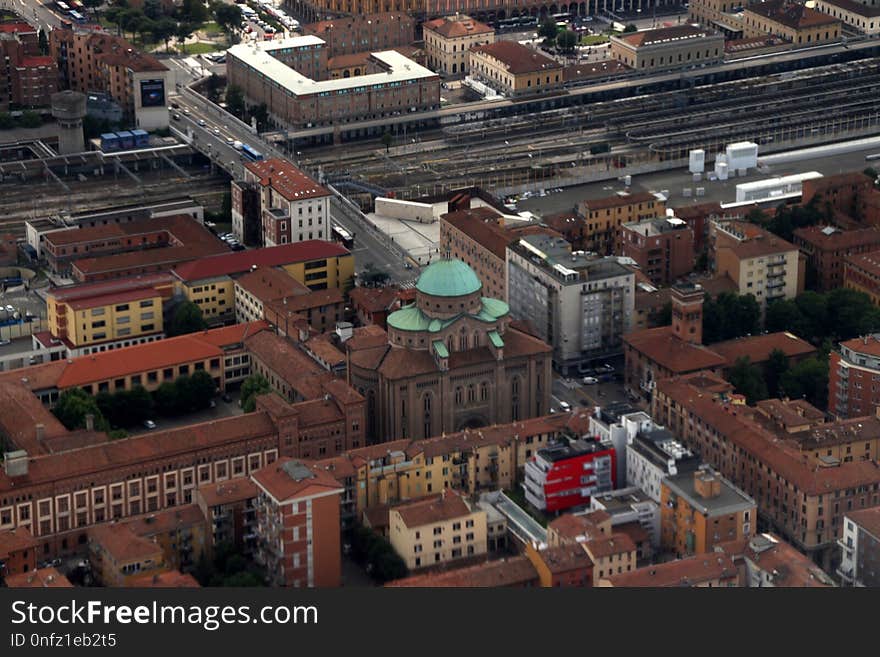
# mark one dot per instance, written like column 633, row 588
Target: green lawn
column 594, row 40
column 201, row 48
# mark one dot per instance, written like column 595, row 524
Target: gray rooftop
column 297, row 471
column 555, row 256
column 656, row 226
column 731, row 499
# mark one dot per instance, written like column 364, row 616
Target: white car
column 590, row 380
column 564, row 406
column 149, row 424
column 9, row 308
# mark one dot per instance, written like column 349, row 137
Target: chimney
column 40, row 431
column 707, row 484
column 90, row 422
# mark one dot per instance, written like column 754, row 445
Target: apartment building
column 603, row 217
column 438, row 530
column 106, row 315
column 860, row 548
column 853, row 373
column 357, row 33
column 663, row 248
column 117, row 556
column 793, row 21
column 862, row 273
column 27, row 78
column 581, row 305
column 760, row 263
column 827, row 249
column 654, row 455
column 513, row 69
column 766, row 561
column 680, row 46
column 611, row 555
column 210, row 282
column 448, row 40
column 390, row 83
column 851, row 197
column 569, row 473
column 795, row 467
column 94, row 60
column 230, row 510
column 18, row 551
column 293, row 206
column 298, row 525
column 697, row 571
column 699, row 509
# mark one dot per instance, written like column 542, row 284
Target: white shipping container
column 697, row 161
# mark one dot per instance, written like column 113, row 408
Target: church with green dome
column 449, row 361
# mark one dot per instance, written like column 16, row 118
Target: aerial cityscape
column 348, row 293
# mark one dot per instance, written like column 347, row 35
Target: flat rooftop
column 259, row 55
column 730, row 500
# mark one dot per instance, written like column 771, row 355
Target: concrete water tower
column 69, row 108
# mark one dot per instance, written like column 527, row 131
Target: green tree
column 261, row 114
column 253, row 386
column 850, row 314
column 187, row 318
column 228, row 17
column 165, row 399
column 6, row 121
column 629, row 28
column 43, row 42
column 387, row 140
column 747, row 379
column 130, row 19
column 730, row 316
column 145, row 28
column 74, row 405
column 164, row 29
column 31, row 120
column 566, row 41
column 547, row 28
column 808, row 380
column 183, row 32
column 93, row 5
column 235, row 101
column 775, row 367
column 193, row 11
column 202, row 389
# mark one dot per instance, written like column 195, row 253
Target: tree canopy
column 187, row 318
column 74, row 405
column 841, row 314
column 253, row 386
column 808, row 380
column 566, row 41
column 729, row 316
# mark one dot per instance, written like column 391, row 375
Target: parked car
column 3, row 343
column 149, row 424
column 10, row 308
column 564, row 406
column 590, row 380
column 202, row 123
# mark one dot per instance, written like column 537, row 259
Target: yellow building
column 757, row 261
column 106, row 315
column 792, row 21
column 514, row 69
column 611, row 555
column 210, row 282
column 118, row 555
column 437, row 530
column 603, row 217
column 864, row 15
column 680, row 46
column 448, row 40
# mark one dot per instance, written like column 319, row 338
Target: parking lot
column 222, row 409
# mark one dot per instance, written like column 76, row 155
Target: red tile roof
column 84, row 294
column 374, row 299
column 823, row 240
column 675, row 33
column 692, row 571
column 291, row 479
column 237, row 262
column 123, row 544
column 15, row 540
column 757, row 348
column 511, row 571
column 672, row 353
column 868, row 519
column 107, row 365
column 433, row 510
column 16, row 27
column 518, row 58
column 605, row 546
column 790, row 14
column 44, row 578
column 228, row 492
column 462, row 26
column 618, row 200
column 286, row 179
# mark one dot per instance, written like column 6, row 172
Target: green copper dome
column 448, row 278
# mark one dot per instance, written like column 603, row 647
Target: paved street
column 34, row 11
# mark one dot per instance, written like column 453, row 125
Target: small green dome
column 448, row 278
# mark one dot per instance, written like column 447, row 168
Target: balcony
column 772, row 285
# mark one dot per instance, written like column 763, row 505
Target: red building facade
column 568, row 474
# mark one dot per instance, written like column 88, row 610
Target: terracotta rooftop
column 374, row 299
column 692, row 571
column 294, row 367
column 90, row 295
column 617, row 201
column 512, row 571
column 169, row 579
column 20, row 413
column 322, row 348
column 757, row 348
column 750, row 241
column 123, row 544
column 674, row 354
column 228, row 492
column 518, row 58
column 664, row 35
column 16, row 27
column 564, row 558
column 269, row 283
column 286, row 179
column 289, row 479
column 590, row 70
column 868, row 263
column 115, row 51
column 483, row 225
column 791, row 14
column 42, row 578
column 108, row 365
column 785, row 566
column 166, row 521
column 825, row 238
column 576, row 527
column 433, row 510
column 238, row 262
column 452, row 28
column 605, row 546
column 15, row 540
column 302, row 302
column 867, row 519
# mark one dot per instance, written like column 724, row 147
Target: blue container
column 141, row 138
column 126, row 139
column 109, row 142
